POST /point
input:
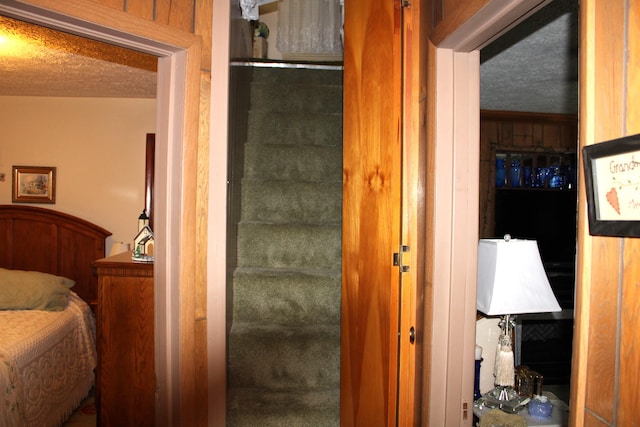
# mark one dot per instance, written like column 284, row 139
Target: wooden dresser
column 125, row 380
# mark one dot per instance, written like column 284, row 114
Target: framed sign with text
column 612, row 177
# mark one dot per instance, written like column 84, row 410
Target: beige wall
column 97, row 146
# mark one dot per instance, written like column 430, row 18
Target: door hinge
column 406, row 3
column 397, row 259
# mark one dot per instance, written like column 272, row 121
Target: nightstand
column 559, row 415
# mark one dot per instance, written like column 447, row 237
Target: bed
column 47, row 329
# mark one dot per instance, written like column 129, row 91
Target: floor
column 85, row 415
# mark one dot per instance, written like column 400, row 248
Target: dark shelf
column 547, row 215
column 566, row 190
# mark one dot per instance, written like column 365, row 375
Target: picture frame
column 612, row 178
column 34, row 184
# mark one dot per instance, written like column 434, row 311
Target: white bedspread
column 46, row 363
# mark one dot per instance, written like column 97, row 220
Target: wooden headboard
column 38, row 239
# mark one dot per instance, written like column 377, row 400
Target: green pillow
column 32, row 290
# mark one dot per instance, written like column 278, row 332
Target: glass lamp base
column 503, row 398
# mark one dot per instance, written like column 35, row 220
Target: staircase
column 284, row 341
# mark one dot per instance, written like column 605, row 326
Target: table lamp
column 511, row 280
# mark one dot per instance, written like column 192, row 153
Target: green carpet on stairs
column 284, row 339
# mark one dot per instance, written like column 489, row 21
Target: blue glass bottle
column 476, row 381
column 501, row 173
column 527, row 177
column 514, row 174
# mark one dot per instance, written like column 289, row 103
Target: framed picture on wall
column 34, row 184
column 612, row 178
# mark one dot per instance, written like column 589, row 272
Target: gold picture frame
column 34, row 184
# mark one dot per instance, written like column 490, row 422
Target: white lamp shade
column 511, row 278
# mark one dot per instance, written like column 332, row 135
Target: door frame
column 453, row 117
column 175, row 181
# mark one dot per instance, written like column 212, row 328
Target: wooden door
column 379, row 300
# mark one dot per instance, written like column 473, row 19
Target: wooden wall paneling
column 163, row 10
column 628, row 391
column 116, row 4
column 633, row 68
column 489, row 135
column 488, row 139
column 567, row 134
column 202, row 27
column 522, row 134
column 141, row 8
column 587, row 62
column 602, row 94
column 601, row 372
column 537, row 140
column 590, row 420
column 176, row 14
column 190, row 258
column 490, row 131
column 551, row 135
column 200, row 292
column 609, row 94
column 506, row 135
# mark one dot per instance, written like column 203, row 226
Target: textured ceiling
column 531, row 68
column 36, row 61
column 534, row 67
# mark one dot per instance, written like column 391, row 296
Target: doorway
column 529, row 106
column 178, row 71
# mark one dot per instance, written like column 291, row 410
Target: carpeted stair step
column 277, row 127
column 286, row 201
column 283, row 408
column 309, row 76
column 292, row 246
column 296, row 97
column 293, row 163
column 281, row 297
column 311, row 354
